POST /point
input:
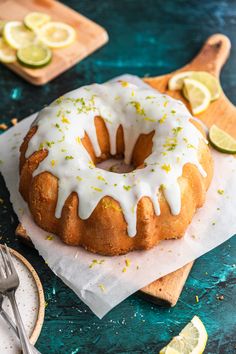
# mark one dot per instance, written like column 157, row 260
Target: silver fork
column 6, row 317
column 9, row 282
column 9, row 321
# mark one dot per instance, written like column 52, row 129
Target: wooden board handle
column 213, row 54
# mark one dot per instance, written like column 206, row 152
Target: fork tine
column 9, row 258
column 5, row 261
column 1, row 272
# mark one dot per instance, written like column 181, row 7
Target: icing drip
column 63, row 124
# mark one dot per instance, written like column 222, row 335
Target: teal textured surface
column 146, row 38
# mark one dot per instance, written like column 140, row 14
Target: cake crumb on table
column 14, row 121
column 3, row 126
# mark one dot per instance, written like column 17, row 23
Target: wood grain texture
column 90, row 36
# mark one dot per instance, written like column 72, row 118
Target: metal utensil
column 9, row 321
column 9, row 282
column 7, row 318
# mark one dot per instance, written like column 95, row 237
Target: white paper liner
column 103, row 286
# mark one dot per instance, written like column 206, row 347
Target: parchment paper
column 103, row 282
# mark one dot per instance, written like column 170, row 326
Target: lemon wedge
column 198, row 94
column 34, row 56
column 7, row 54
column 57, row 34
column 221, row 140
column 17, row 35
column 176, row 82
column 191, row 340
column 35, row 20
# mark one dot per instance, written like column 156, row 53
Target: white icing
column 64, row 123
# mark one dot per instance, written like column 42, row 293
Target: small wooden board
column 222, row 112
column 90, row 36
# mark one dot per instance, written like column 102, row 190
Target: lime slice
column 198, row 94
column 57, row 34
column 17, row 35
column 35, row 20
column 34, row 56
column 7, row 54
column 177, row 81
column 2, row 24
column 221, row 140
column 191, row 340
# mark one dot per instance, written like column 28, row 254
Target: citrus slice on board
column 210, row 81
column 35, row 20
column 57, row 34
column 177, row 81
column 191, row 340
column 221, row 140
column 34, row 56
column 198, row 94
column 17, row 35
column 7, row 54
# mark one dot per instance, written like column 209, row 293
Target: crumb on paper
column 220, row 191
column 194, row 236
column 14, row 121
column 3, row 126
column 213, row 223
column 124, row 270
column 137, row 267
column 49, row 237
column 102, row 287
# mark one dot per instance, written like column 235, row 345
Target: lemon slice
column 198, row 94
column 221, row 140
column 57, row 34
column 210, row 81
column 17, row 35
column 35, row 20
column 191, row 340
column 2, row 24
column 177, row 81
column 7, row 54
column 34, row 56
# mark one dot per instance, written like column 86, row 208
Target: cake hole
column 115, row 166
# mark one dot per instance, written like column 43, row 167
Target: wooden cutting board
column 222, row 112
column 90, row 36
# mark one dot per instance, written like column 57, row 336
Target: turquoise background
column 147, row 38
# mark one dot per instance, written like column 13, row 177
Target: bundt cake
column 103, row 211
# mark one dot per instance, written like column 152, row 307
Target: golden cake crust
column 105, row 231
